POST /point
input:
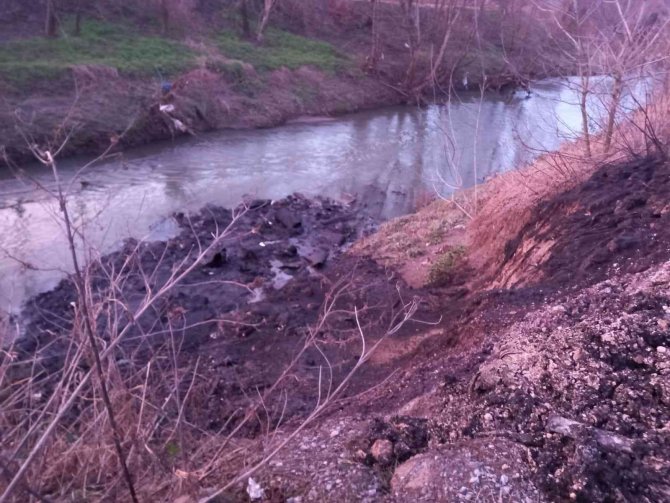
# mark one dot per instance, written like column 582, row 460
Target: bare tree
column 372, row 60
column 621, row 40
column 576, row 42
column 51, row 19
column 268, row 6
column 635, row 45
column 412, row 25
column 244, row 17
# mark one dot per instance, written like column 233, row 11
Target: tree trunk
column 244, row 15
column 77, row 23
column 411, row 11
column 51, row 22
column 373, row 57
column 585, row 115
column 267, row 9
column 165, row 16
column 617, row 90
column 435, row 65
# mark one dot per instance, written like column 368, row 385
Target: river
column 392, row 157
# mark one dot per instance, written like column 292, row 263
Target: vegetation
column 442, row 269
column 281, row 49
column 25, row 61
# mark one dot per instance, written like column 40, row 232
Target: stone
column 316, row 257
column 288, row 218
column 254, row 490
column 382, row 451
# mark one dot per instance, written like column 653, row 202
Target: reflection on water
column 390, row 156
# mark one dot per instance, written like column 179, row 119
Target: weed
column 282, row 50
column 441, row 271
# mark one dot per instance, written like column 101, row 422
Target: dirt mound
column 619, row 219
column 554, row 389
column 247, row 307
column 584, row 383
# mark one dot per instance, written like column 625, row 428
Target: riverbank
column 534, row 367
column 111, row 110
column 122, row 82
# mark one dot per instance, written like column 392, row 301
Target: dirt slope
column 556, row 388
column 553, row 387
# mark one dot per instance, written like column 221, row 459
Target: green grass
column 281, row 49
column 23, row 62
column 441, row 271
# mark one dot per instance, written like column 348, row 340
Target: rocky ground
column 552, row 386
column 554, row 389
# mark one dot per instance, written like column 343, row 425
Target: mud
column 245, row 312
column 614, row 223
column 554, row 389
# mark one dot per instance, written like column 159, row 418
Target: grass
column 40, row 60
column 24, row 62
column 441, row 271
column 281, row 49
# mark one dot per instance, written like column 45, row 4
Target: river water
column 390, row 157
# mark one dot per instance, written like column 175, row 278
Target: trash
column 254, row 490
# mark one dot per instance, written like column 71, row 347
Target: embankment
column 121, row 81
column 536, row 367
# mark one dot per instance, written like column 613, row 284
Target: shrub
column 442, row 270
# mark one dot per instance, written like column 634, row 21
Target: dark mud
column 245, row 311
column 555, row 389
column 570, row 366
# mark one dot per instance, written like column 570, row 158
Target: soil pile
column 244, row 312
column 556, row 389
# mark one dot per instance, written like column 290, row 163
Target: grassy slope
column 281, row 49
column 30, row 62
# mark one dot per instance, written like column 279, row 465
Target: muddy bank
column 107, row 109
column 241, row 315
column 553, row 389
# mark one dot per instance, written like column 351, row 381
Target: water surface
column 391, row 157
